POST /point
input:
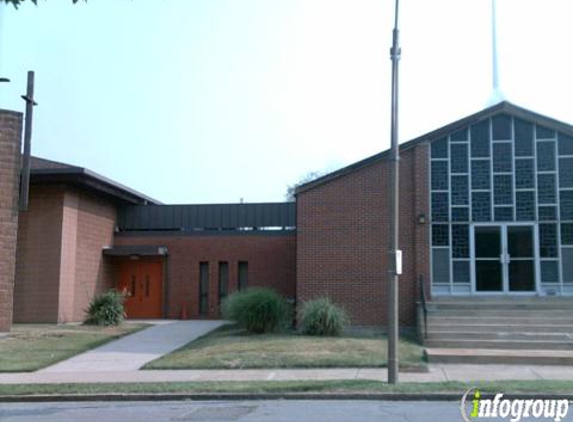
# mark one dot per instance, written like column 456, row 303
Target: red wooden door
column 142, row 281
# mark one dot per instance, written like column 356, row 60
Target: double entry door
column 504, row 258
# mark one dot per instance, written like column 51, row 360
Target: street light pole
column 395, row 254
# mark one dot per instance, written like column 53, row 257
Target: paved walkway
column 436, row 373
column 133, row 351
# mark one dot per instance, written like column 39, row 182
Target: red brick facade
column 342, row 239
column 10, row 143
column 270, row 257
column 60, row 266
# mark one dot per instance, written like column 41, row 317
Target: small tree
column 309, row 177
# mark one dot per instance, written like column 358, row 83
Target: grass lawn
column 230, row 347
column 349, row 386
column 29, row 347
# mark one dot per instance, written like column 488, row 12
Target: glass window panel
column 546, row 189
column 501, row 127
column 566, row 172
column 520, row 241
column 567, row 234
column 565, row 144
column 440, row 148
column 489, row 276
column 548, row 240
column 524, row 174
column 460, row 135
column 549, row 272
column 522, row 276
column 480, row 139
column 439, row 175
column 503, row 189
column 460, row 241
column 523, row 138
column 480, row 174
column 546, row 156
column 488, row 242
column 567, row 264
column 544, row 133
column 459, row 158
column 481, row 206
column 525, row 206
column 440, row 266
column 440, row 206
column 566, row 202
column 460, row 190
column 502, row 157
column 440, row 235
column 460, row 214
column 503, row 214
column 461, row 271
column 547, row 213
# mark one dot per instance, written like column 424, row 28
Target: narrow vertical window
column 223, row 280
column 243, row 275
column 203, row 288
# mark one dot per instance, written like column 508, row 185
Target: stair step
column 470, row 327
column 501, row 344
column 516, row 357
column 500, row 334
column 487, row 319
column 553, row 313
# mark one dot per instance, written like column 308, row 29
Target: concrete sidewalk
column 131, row 352
column 436, row 373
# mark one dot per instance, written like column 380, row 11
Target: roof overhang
column 136, row 251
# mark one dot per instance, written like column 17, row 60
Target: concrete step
column 500, row 334
column 501, row 344
column 500, row 312
column 470, row 327
column 492, row 319
column 513, row 304
column 508, row 357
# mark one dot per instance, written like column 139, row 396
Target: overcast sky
column 195, row 101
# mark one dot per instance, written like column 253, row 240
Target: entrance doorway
column 504, row 258
column 143, row 283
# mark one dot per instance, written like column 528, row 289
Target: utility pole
column 395, row 254
column 25, row 179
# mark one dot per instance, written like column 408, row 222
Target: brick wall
column 60, row 266
column 343, row 239
column 271, row 261
column 10, row 144
column 36, row 294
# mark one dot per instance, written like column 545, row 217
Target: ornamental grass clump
column 106, row 309
column 258, row 310
column 321, row 317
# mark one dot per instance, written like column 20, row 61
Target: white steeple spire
column 496, row 95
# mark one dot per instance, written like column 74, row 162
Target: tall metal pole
column 25, row 179
column 395, row 254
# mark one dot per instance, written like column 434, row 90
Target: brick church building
column 486, row 211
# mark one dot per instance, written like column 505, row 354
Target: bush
column 106, row 309
column 259, row 310
column 321, row 317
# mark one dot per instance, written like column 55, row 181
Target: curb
column 435, row 397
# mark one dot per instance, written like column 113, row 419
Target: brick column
column 10, row 143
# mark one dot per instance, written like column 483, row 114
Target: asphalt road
column 252, row 411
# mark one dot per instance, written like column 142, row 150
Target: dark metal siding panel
column 207, row 217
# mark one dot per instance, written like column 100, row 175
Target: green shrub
column 106, row 309
column 259, row 310
column 321, row 317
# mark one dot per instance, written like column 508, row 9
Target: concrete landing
column 131, row 352
column 499, row 356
